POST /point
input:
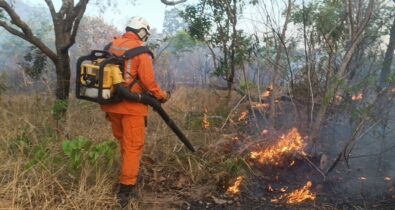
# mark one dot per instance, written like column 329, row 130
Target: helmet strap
column 143, row 35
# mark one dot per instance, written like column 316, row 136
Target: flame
column 206, row 123
column 243, row 116
column 283, row 189
column 387, row 178
column 270, row 188
column 288, row 144
column 264, row 132
column 265, row 94
column 362, row 178
column 292, row 163
column 338, row 98
column 357, row 97
column 297, row 196
column 235, row 188
column 260, row 105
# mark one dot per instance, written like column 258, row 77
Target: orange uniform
column 128, row 118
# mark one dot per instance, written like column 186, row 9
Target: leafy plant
column 104, row 150
column 39, row 154
column 59, row 109
column 3, row 86
column 235, row 166
column 76, row 149
column 80, row 150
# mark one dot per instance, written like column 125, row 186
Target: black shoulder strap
column 137, row 51
column 107, row 47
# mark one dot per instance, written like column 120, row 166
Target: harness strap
column 137, row 51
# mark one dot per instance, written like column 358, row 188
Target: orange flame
column 243, row 116
column 264, row 132
column 206, row 123
column 260, row 105
column 297, row 196
column 270, row 188
column 265, row 94
column 235, row 188
column 292, row 163
column 357, row 97
column 283, row 189
column 289, row 144
column 387, row 178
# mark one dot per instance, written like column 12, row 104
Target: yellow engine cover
column 112, row 75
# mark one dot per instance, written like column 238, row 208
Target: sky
column 152, row 10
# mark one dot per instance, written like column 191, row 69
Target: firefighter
column 129, row 119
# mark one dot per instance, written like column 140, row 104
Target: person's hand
column 166, row 98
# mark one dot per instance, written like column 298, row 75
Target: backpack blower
column 99, row 79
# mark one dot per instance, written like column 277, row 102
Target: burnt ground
column 255, row 194
column 264, row 183
column 362, row 183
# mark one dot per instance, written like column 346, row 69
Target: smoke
column 367, row 169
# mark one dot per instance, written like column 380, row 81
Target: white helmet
column 138, row 23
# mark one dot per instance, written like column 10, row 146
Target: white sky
column 152, row 10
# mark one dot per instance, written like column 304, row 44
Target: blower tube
column 156, row 105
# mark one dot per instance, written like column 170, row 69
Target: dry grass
column 36, row 174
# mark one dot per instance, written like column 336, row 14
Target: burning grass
column 36, row 172
column 235, row 188
column 297, row 196
column 289, row 144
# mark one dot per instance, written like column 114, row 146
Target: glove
column 166, row 98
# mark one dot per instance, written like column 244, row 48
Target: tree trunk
column 276, row 69
column 233, row 16
column 389, row 55
column 357, row 35
column 62, row 76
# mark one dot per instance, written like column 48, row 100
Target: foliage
column 182, row 42
column 35, row 62
column 235, row 166
column 59, row 109
column 79, row 150
column 198, row 26
column 327, row 17
column 215, row 23
column 3, row 86
column 172, row 23
column 93, row 34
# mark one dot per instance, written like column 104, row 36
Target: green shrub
column 80, row 150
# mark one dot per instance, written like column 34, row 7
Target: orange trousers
column 130, row 131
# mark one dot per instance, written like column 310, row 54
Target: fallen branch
column 375, row 154
column 231, row 112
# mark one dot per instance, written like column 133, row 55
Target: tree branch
column 26, row 33
column 172, row 3
column 51, row 8
column 78, row 13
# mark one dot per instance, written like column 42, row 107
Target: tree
column 66, row 22
column 356, row 28
column 172, row 22
column 172, row 2
column 389, row 55
column 215, row 23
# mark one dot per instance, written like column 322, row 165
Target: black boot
column 125, row 193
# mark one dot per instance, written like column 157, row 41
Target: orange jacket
column 141, row 67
